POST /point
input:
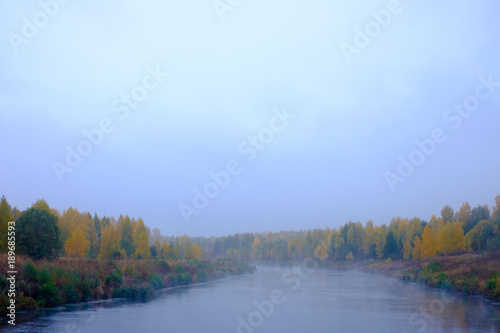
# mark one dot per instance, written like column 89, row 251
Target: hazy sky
column 307, row 106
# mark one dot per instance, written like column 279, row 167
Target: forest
column 72, row 256
column 80, row 235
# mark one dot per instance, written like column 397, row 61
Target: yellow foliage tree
column 417, row 249
column 414, row 229
column 256, row 243
column 141, row 240
column 197, row 252
column 368, row 237
column 42, row 204
column 158, row 245
column 380, row 233
column 443, row 239
column 428, row 245
column 433, row 223
column 257, row 248
column 321, row 252
column 110, row 241
column 77, row 245
column 166, row 250
column 457, row 237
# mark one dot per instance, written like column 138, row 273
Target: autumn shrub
column 84, row 290
column 30, row 273
column 129, row 270
column 145, row 292
column 183, row 279
column 115, row 278
column 492, row 282
column 179, row 269
column 125, row 292
column 493, row 286
column 442, row 281
column 155, row 281
column 194, row 262
column 164, row 265
column 201, row 276
column 434, row 267
column 29, row 289
column 44, row 277
column 92, row 280
column 133, row 292
column 70, row 294
column 49, row 295
column 470, row 284
column 26, row 302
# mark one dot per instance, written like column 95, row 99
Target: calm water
column 283, row 300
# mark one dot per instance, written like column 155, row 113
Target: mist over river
column 298, row 299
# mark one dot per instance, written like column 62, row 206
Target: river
column 298, row 299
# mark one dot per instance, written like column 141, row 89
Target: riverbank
column 69, row 281
column 475, row 274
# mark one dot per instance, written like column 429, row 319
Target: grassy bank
column 65, row 281
column 476, row 274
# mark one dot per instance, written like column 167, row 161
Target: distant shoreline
column 469, row 273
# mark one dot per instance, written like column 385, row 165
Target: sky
column 211, row 118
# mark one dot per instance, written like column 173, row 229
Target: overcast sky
column 311, row 108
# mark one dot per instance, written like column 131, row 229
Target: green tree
column 97, row 227
column 380, row 234
column 368, row 237
column 127, row 246
column 463, row 215
column 38, row 234
column 415, row 229
column 5, row 218
column 478, row 213
column 166, row 250
column 176, row 253
column 15, row 213
column 154, row 251
column 496, row 210
column 447, row 214
column 188, row 250
column 477, row 239
column 391, row 246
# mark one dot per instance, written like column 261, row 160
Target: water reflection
column 315, row 301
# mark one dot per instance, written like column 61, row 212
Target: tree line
column 45, row 233
column 466, row 230
column 75, row 234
